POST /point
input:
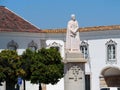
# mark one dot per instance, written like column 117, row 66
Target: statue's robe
column 72, row 36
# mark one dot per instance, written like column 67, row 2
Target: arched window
column 58, row 44
column 55, row 45
column 84, row 49
column 111, row 51
column 32, row 45
column 12, row 45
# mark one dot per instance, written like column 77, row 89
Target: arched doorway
column 110, row 77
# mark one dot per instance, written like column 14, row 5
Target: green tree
column 27, row 57
column 44, row 66
column 10, row 68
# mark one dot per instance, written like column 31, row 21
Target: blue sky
column 51, row 14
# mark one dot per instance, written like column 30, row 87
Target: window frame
column 85, row 45
column 55, row 45
column 111, row 54
column 32, row 45
column 12, row 45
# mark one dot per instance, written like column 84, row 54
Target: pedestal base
column 74, row 70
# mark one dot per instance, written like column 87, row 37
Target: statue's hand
column 73, row 34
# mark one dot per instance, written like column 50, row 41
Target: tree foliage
column 45, row 65
column 27, row 57
column 42, row 66
column 10, row 67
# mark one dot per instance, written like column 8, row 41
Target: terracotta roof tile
column 85, row 29
column 10, row 22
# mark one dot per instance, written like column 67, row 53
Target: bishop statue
column 72, row 36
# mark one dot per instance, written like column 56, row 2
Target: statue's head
column 73, row 17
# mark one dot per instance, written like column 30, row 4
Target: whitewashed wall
column 22, row 39
column 58, row 86
column 97, row 51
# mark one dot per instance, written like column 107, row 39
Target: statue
column 72, row 36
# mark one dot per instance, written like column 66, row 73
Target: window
column 32, row 45
column 111, row 51
column 84, row 49
column 58, row 44
column 12, row 45
column 55, row 45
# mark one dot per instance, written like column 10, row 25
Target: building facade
column 100, row 46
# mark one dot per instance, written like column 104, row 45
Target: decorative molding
column 33, row 44
column 12, row 44
column 111, row 42
column 83, row 43
column 54, row 44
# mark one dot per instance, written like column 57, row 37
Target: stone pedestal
column 74, row 71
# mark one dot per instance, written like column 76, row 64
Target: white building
column 100, row 46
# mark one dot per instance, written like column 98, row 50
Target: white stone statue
column 72, row 36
